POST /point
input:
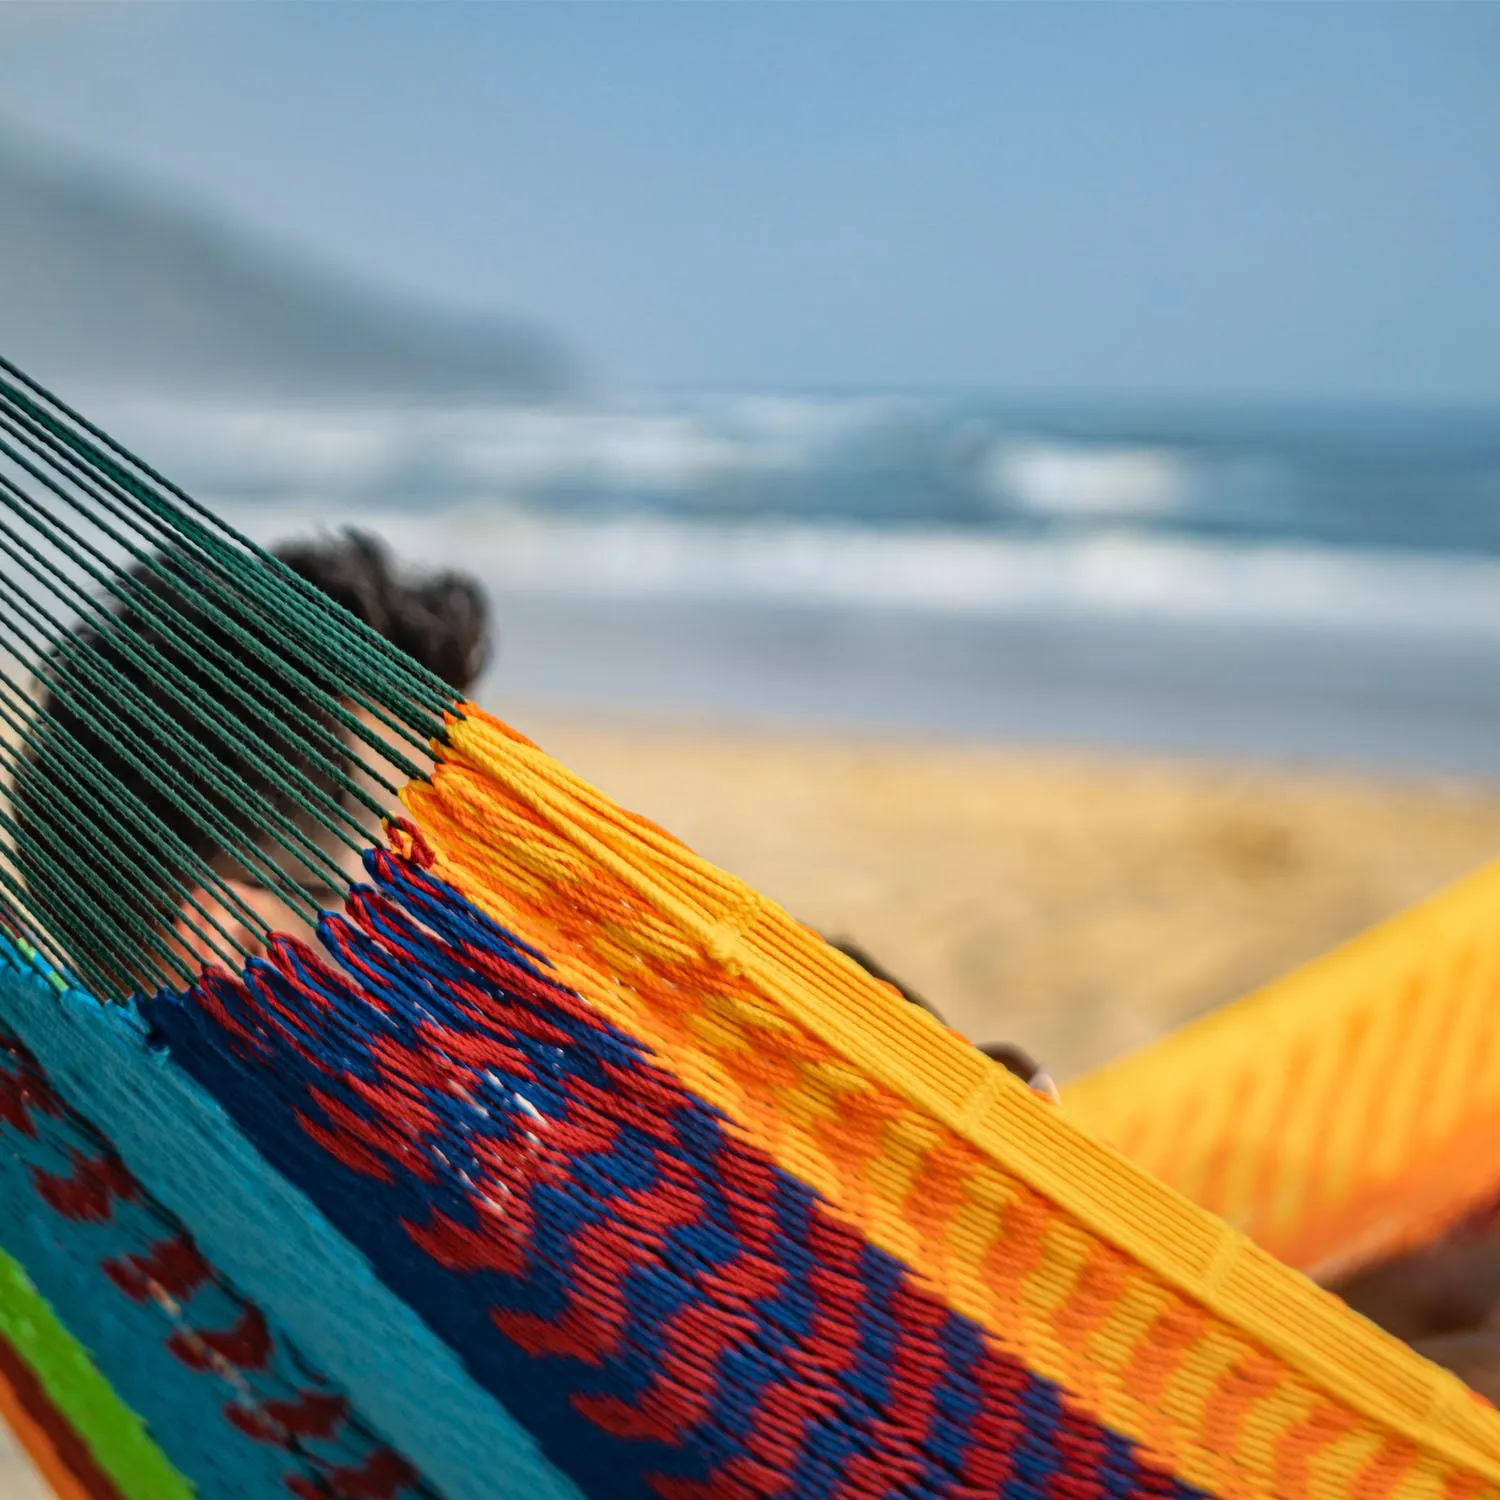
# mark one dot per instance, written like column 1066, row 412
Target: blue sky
column 1266, row 200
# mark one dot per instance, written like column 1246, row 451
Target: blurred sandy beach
column 1077, row 903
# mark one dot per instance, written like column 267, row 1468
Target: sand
column 1077, row 904
column 19, row 1480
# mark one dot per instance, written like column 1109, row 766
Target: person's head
column 99, row 677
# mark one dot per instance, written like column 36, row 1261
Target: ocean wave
column 1073, row 479
column 934, row 572
column 1360, row 482
column 505, row 451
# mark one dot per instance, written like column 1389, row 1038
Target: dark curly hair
column 439, row 619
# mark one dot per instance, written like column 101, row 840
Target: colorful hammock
column 568, row 1166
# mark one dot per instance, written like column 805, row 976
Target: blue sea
column 1312, row 583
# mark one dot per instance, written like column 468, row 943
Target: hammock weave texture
column 564, row 1164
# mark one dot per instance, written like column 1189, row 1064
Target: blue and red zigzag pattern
column 669, row 1312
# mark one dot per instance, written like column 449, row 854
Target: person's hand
column 1014, row 1060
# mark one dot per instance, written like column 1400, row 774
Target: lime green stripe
column 114, row 1434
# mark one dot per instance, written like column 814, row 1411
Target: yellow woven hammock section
column 1313, row 1114
column 1345, row 1113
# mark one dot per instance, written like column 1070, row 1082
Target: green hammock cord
column 127, row 589
column 257, row 571
column 227, row 599
column 206, row 715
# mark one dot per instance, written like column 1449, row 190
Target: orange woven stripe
column 1458, row 1485
column 1095, row 1294
column 1161, row 1347
column 1246, row 1385
column 1383, row 1475
column 1298, row 1451
column 1133, row 1353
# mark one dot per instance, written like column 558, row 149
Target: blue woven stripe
column 879, row 1335
column 956, row 1401
column 1035, row 1459
column 1120, row 1473
column 456, row 1305
column 645, row 1185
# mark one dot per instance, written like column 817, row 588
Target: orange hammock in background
column 1343, row 1114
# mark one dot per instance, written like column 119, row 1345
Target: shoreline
column 1418, row 703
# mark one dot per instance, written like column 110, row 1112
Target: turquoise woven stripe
column 127, row 1339
column 276, row 1247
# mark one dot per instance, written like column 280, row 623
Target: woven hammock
column 562, row 1164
